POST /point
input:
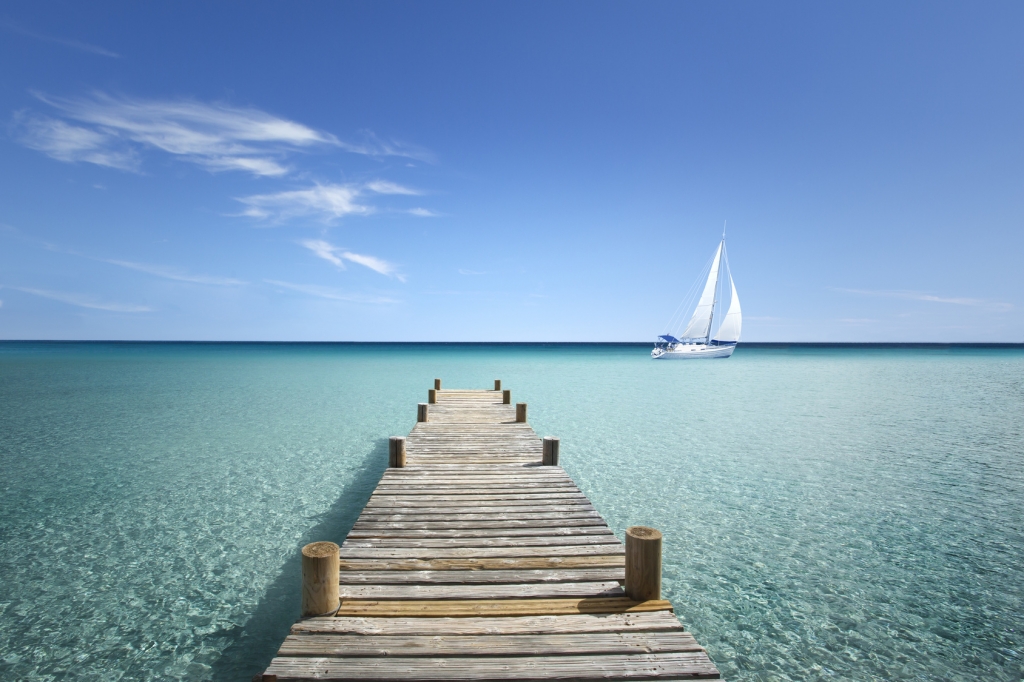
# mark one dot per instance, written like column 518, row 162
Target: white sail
column 729, row 332
column 701, row 320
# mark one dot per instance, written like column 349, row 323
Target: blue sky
column 509, row 171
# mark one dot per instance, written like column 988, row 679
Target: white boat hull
column 692, row 351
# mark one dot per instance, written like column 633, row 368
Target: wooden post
column 521, row 412
column 550, row 451
column 320, row 579
column 497, row 384
column 643, row 563
column 437, row 384
column 432, row 396
column 421, row 412
column 506, row 397
column 396, row 452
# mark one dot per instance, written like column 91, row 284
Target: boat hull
column 694, row 352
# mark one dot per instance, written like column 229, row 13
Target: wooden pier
column 478, row 558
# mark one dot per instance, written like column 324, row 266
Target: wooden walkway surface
column 474, row 562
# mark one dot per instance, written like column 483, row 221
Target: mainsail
column 729, row 332
column 700, row 323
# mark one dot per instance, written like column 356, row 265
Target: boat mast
column 714, row 302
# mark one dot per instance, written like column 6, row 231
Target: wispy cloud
column 386, row 187
column 176, row 274
column 70, row 143
column 325, row 202
column 110, row 131
column 337, row 255
column 75, row 44
column 371, row 145
column 84, row 301
column 219, row 137
column 330, row 293
column 997, row 306
column 424, row 213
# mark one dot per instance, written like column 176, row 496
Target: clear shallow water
column 828, row 513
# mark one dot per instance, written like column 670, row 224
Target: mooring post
column 320, row 579
column 506, row 397
column 437, row 384
column 497, row 384
column 521, row 412
column 550, row 451
column 421, row 412
column 396, row 452
column 643, row 563
column 432, row 396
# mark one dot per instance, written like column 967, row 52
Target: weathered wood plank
column 498, row 541
column 516, row 625
column 484, row 564
column 496, row 607
column 695, row 665
column 446, row 644
column 609, row 588
column 356, row 553
column 490, row 576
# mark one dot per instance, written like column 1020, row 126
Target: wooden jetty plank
column 483, row 564
column 547, row 644
column 497, row 607
column 675, row 665
column 496, row 575
column 474, row 561
column 373, row 553
column 516, row 625
column 466, row 591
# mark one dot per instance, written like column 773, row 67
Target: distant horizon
column 749, row 344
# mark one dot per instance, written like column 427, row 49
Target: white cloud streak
column 176, row 274
column 84, row 301
column 326, row 202
column 330, row 293
column 373, row 146
column 997, row 306
column 75, row 44
column 423, row 213
column 218, row 137
column 70, row 143
column 337, row 256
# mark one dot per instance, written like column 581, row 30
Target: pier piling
column 421, row 412
column 550, row 453
column 643, row 563
column 396, row 452
column 320, row 579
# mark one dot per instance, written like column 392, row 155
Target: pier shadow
column 253, row 646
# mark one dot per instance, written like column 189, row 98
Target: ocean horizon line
column 744, row 344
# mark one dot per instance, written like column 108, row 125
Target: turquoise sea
column 829, row 512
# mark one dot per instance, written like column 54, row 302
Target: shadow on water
column 251, row 647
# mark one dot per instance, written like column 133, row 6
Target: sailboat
column 696, row 340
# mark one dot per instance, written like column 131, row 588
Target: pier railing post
column 521, row 412
column 432, row 396
column 421, row 412
column 506, row 397
column 643, row 563
column 320, row 579
column 497, row 384
column 437, row 384
column 550, row 458
column 396, row 452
